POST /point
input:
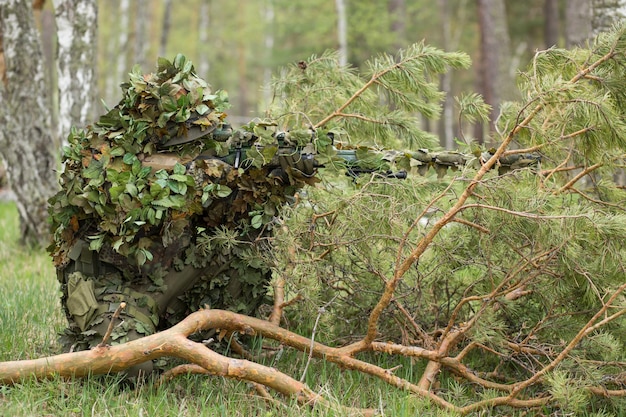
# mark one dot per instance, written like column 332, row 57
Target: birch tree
column 586, row 18
column 203, row 37
column 26, row 139
column 76, row 54
column 122, row 40
column 577, row 22
column 342, row 31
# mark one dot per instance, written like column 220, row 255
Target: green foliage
column 534, row 256
column 570, row 397
column 377, row 107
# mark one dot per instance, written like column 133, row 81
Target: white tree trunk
column 203, row 38
column 26, row 141
column 342, row 31
column 122, row 43
column 269, row 50
column 586, row 18
column 77, row 22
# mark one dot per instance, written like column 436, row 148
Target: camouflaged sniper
column 164, row 207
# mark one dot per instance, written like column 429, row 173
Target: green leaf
column 179, row 169
column 117, row 151
column 172, row 201
column 151, row 216
column 168, row 104
column 182, row 115
column 164, row 65
column 223, row 191
column 174, row 186
column 164, row 118
column 144, row 172
column 94, row 170
column 116, row 245
column 129, row 158
column 131, row 189
column 96, row 242
column 257, row 221
column 202, row 109
column 179, row 177
column 179, row 61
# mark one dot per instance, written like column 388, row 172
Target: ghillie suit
column 164, row 208
column 150, row 214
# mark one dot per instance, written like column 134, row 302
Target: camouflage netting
column 151, row 214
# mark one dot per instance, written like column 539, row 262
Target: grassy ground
column 31, row 318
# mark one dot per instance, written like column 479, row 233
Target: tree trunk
column 203, row 38
column 45, row 21
column 397, row 13
column 26, row 142
column 447, row 122
column 269, row 51
column 77, row 22
column 122, row 43
column 494, row 54
column 342, row 31
column 551, row 24
column 142, row 19
column 165, row 28
column 577, row 22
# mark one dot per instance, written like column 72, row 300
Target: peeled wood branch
column 174, row 342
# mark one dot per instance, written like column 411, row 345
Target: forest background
column 238, row 46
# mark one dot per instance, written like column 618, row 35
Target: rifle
column 300, row 150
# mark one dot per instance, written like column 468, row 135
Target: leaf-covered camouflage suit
column 164, row 208
column 150, row 213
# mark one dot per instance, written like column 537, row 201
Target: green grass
column 30, row 315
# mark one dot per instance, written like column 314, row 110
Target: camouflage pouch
column 81, row 300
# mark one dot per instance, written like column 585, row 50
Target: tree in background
column 578, row 18
column 77, row 25
column 26, row 140
column 166, row 24
column 342, row 31
column 494, row 61
column 552, row 23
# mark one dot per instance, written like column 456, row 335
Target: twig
column 524, row 214
column 106, row 336
column 579, row 176
column 427, row 339
column 320, row 311
column 279, row 301
column 472, row 224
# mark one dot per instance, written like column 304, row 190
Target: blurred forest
column 237, row 46
column 92, row 45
